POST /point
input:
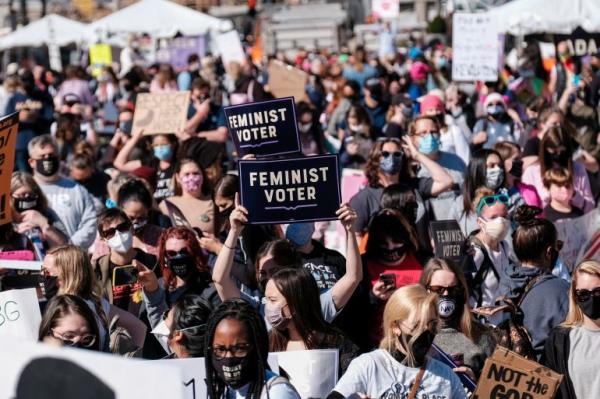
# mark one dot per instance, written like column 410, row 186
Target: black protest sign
column 264, row 128
column 580, row 42
column 447, row 239
column 290, row 190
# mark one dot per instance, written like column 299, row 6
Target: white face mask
column 161, row 332
column 496, row 228
column 121, row 242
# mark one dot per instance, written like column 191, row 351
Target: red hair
column 187, row 235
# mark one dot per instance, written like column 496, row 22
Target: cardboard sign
column 290, row 190
column 9, row 125
column 230, row 47
column 508, row 375
column 287, row 81
column 161, row 113
column 193, row 371
column 20, row 315
column 313, row 373
column 475, row 47
column 580, row 42
column 264, row 128
column 386, row 9
column 43, row 371
column 447, row 239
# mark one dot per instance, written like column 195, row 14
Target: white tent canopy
column 161, row 18
column 52, row 29
column 522, row 17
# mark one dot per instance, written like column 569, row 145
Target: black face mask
column 392, row 255
column 421, row 346
column 47, row 166
column 233, row 371
column 25, row 204
column 450, row 309
column 181, row 265
column 50, row 286
column 591, row 307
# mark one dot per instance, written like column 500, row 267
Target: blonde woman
column 400, row 367
column 572, row 348
column 67, row 270
column 460, row 334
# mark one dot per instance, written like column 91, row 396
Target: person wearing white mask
column 496, row 126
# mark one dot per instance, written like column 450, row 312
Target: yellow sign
column 9, row 126
column 100, row 55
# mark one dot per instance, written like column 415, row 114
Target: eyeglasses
column 181, row 252
column 454, row 290
column 71, row 340
column 584, row 295
column 426, row 132
column 239, row 350
column 395, row 154
column 490, row 200
column 122, row 227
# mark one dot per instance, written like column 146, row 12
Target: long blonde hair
column 575, row 315
column 404, row 302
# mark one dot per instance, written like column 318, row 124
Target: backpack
column 120, row 341
column 275, row 380
column 474, row 276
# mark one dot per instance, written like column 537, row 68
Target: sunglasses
column 395, row 154
column 454, row 290
column 490, row 200
column 122, row 228
column 68, row 340
column 181, row 252
column 584, row 295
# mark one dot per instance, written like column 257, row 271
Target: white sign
column 193, row 371
column 20, row 315
column 34, row 265
column 386, row 9
column 230, row 47
column 475, row 47
column 313, row 373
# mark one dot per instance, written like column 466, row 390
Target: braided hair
column 191, row 313
column 238, row 309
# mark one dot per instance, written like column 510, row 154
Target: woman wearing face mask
column 184, row 272
column 496, row 126
column 31, row 214
column 549, row 117
column 356, row 138
column 312, row 140
column 556, row 151
column 387, row 165
column 69, row 320
column 237, row 346
column 400, row 366
column 572, row 348
column 460, row 334
column 543, row 296
column 192, row 199
column 559, row 183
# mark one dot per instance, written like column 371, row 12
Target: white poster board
column 43, row 371
column 313, row 373
column 386, row 9
column 230, row 47
column 475, row 47
column 193, row 371
column 20, row 315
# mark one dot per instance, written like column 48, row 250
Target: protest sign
column 437, row 353
column 9, row 125
column 475, row 47
column 20, row 315
column 290, row 190
column 100, row 56
column 162, row 113
column 287, row 81
column 508, row 375
column 386, row 9
column 176, row 51
column 230, row 47
column 447, row 240
column 193, row 371
column 313, row 373
column 34, row 265
column 580, row 42
column 43, row 371
column 577, row 235
column 264, row 128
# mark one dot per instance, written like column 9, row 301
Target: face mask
column 126, row 126
column 429, row 144
column 421, row 346
column 25, row 204
column 407, row 112
column 304, row 127
column 392, row 255
column 139, row 225
column 495, row 110
column 233, row 371
column 50, row 286
column 356, row 128
column 163, row 152
column 191, row 183
column 121, row 242
column 110, row 203
column 497, row 228
column 391, row 164
column 181, row 265
column 561, row 194
column 299, row 234
column 591, row 307
column 47, row 166
column 441, row 62
column 494, row 177
column 275, row 317
column 450, row 309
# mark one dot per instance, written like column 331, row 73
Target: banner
column 313, row 373
column 508, row 375
column 193, row 371
column 230, row 48
column 37, row 370
column 264, row 128
column 475, row 47
column 161, row 113
column 20, row 315
column 177, row 50
column 580, row 42
column 447, row 240
column 9, row 125
column 290, row 190
column 287, row 81
column 386, row 9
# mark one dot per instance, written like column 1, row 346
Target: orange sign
column 9, row 126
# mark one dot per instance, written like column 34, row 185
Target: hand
column 465, row 370
column 210, row 243
column 249, row 157
column 146, row 277
column 202, row 107
column 35, row 218
column 24, row 227
column 119, row 138
column 137, row 134
column 352, row 148
column 410, row 149
column 238, row 217
column 480, row 138
column 382, row 291
column 347, row 216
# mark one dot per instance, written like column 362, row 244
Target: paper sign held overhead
column 264, row 128
column 230, row 47
column 290, row 190
column 161, row 113
column 287, row 81
column 9, row 126
column 475, row 47
column 386, row 9
column 20, row 315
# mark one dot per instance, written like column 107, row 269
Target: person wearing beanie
column 496, row 125
column 418, row 76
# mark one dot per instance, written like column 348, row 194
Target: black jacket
column 556, row 356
